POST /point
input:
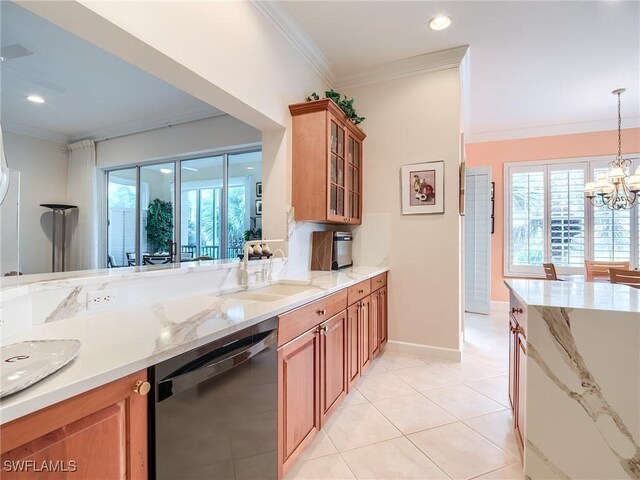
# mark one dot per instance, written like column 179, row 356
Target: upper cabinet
column 327, row 164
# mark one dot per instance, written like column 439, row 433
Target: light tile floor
column 424, row 418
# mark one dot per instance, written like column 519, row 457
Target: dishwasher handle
column 174, row 385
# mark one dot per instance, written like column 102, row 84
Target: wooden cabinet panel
column 365, row 333
column 333, row 363
column 358, row 292
column 327, row 155
column 374, row 324
column 517, row 366
column 353, row 341
column 298, row 321
column 513, row 359
column 521, row 386
column 99, row 434
column 383, row 317
column 298, row 395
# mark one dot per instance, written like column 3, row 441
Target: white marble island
column 580, row 379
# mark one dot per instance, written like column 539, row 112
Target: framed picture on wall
column 258, row 207
column 258, row 189
column 422, row 186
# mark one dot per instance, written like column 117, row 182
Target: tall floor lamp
column 62, row 209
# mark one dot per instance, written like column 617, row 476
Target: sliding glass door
column 202, row 182
column 217, row 204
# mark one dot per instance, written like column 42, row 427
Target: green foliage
column 345, row 104
column 159, row 225
column 252, row 234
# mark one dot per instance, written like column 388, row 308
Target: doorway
column 219, row 199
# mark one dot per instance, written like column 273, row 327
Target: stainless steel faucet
column 243, row 273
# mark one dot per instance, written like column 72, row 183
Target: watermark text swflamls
column 48, row 466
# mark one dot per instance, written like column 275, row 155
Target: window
column 549, row 219
column 214, row 207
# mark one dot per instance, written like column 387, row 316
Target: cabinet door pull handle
column 322, row 329
column 321, row 311
column 361, row 290
column 142, row 388
column 517, row 310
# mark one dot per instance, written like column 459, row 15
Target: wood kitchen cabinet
column 383, row 316
column 327, row 164
column 333, row 364
column 353, row 343
column 365, row 334
column 374, row 322
column 298, row 395
column 98, row 434
column 517, row 366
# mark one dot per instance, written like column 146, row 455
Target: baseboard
column 424, row 350
column 499, row 305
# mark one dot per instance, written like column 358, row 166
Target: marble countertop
column 584, row 295
column 116, row 343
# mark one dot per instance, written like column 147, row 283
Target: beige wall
column 186, row 139
column 43, row 179
column 412, row 120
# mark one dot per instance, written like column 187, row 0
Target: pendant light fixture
column 616, row 189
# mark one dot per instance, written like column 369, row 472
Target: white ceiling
column 89, row 92
column 536, row 67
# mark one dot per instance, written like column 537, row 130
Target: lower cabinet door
column 298, row 395
column 384, row 316
column 98, row 434
column 365, row 333
column 353, row 341
column 374, row 321
column 333, row 364
column 521, row 388
column 513, row 359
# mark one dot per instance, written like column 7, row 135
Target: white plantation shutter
column 526, row 217
column 477, row 240
column 567, row 214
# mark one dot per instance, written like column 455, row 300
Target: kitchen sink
column 255, row 297
column 273, row 292
column 284, row 289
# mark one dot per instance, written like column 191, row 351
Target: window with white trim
column 548, row 219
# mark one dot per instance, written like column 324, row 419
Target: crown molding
column 35, row 132
column 407, row 67
column 551, row 130
column 291, row 30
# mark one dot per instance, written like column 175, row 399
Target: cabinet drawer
column 298, row 321
column 358, row 291
column 378, row 281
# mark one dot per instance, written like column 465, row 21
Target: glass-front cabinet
column 327, row 164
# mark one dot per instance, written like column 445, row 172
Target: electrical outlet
column 101, row 299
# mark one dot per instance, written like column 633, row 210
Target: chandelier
column 616, row 189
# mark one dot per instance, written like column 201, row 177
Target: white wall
column 187, row 138
column 43, row 179
column 411, row 120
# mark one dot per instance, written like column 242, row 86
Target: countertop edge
column 35, row 403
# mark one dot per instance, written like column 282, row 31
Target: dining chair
column 550, row 271
column 595, row 269
column 626, row 277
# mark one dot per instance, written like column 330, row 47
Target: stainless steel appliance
column 213, row 411
column 341, row 256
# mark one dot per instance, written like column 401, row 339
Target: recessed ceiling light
column 166, row 171
column 440, row 22
column 35, row 98
column 249, row 168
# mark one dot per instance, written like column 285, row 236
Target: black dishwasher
column 213, row 412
